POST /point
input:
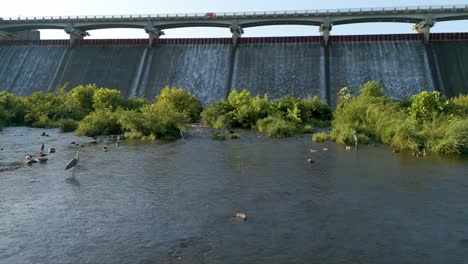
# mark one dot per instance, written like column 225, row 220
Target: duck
column 51, row 150
column 348, row 147
column 28, row 160
column 325, row 149
column 313, row 150
column 310, row 161
column 240, row 215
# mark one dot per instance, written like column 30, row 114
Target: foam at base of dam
column 280, row 69
column 451, row 58
column 26, row 69
column 203, row 70
column 402, row 67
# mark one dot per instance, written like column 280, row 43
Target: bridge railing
column 440, row 8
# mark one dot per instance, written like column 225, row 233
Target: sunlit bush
column 100, row 122
column 12, row 109
column 182, row 101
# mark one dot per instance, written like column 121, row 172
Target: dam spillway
column 210, row 68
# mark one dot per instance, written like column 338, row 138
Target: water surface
column 173, row 202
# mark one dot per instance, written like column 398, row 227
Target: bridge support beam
column 237, row 32
column 7, row 35
column 424, row 27
column 154, row 33
column 325, row 29
column 75, row 34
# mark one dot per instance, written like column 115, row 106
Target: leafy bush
column 99, row 122
column 105, row 98
column 277, row 127
column 247, row 110
column 427, row 104
column 321, row 137
column 218, row 115
column 372, row 89
column 68, row 125
column 182, row 101
column 44, row 110
column 12, row 109
column 158, row 121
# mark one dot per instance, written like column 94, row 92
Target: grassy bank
column 427, row 122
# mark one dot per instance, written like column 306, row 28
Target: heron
column 72, row 163
column 355, row 138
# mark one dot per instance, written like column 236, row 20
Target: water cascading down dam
column 299, row 66
column 405, row 64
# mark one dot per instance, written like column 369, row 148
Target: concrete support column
column 424, row 27
column 236, row 31
column 325, row 29
column 154, row 33
column 75, row 34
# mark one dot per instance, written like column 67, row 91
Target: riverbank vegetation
column 277, row 118
column 428, row 122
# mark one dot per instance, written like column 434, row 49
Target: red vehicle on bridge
column 210, row 15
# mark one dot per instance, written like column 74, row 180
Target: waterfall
column 279, row 69
column 400, row 66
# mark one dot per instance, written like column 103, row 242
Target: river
column 173, row 202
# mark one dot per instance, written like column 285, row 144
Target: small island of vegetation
column 428, row 121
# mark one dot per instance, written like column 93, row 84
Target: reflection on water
column 173, row 202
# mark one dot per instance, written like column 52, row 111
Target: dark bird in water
column 42, row 147
column 72, row 163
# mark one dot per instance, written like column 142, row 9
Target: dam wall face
column 451, row 59
column 280, row 69
column 111, row 67
column 26, row 69
column 402, row 67
column 211, row 68
column 203, row 70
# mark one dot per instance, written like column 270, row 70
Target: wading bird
column 72, row 163
column 355, row 138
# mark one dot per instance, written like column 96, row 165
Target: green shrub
column 427, row 104
column 12, row 109
column 372, row 89
column 80, row 100
column 68, row 125
column 218, row 115
column 307, row 128
column 321, row 137
column 182, row 101
column 315, row 109
column 276, row 127
column 99, row 122
column 105, row 98
column 247, row 110
column 157, row 121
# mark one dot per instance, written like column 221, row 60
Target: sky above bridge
column 31, row 8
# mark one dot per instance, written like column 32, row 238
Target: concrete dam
column 211, row 68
